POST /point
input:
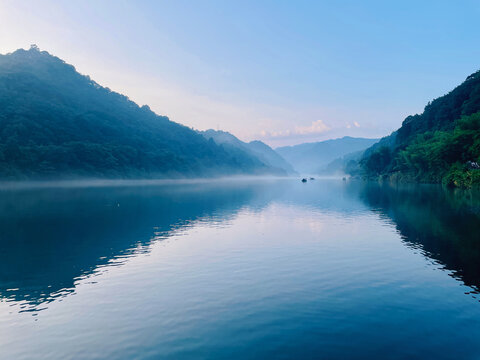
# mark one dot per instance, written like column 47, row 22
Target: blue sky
column 284, row 72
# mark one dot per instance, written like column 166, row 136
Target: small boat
column 304, row 180
column 344, row 179
column 312, row 178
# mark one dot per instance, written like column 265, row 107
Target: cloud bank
column 315, row 128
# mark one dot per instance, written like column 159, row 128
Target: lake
column 239, row 269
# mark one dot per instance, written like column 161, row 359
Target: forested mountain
column 440, row 145
column 312, row 158
column 270, row 156
column 256, row 149
column 57, row 123
column 347, row 164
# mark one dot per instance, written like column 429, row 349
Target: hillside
column 256, row 149
column 440, row 145
column 312, row 158
column 270, row 156
column 57, row 123
column 347, row 164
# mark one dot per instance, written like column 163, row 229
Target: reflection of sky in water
column 276, row 266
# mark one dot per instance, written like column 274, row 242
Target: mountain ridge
column 312, row 157
column 58, row 123
column 256, row 148
column 437, row 146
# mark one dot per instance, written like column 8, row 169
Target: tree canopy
column 438, row 145
column 55, row 122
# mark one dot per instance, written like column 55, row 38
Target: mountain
column 312, row 158
column 256, row 149
column 57, row 123
column 270, row 156
column 440, row 145
column 347, row 164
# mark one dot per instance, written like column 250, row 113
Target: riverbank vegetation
column 441, row 145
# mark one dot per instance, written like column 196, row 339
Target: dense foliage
column 440, row 145
column 445, row 156
column 55, row 122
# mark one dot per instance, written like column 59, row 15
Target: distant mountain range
column 256, row 149
column 313, row 158
column 57, row 123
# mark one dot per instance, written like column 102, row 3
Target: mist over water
column 238, row 268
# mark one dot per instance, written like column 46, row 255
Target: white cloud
column 317, row 127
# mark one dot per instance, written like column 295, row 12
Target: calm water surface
column 239, row 270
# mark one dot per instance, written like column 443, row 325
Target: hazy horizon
column 277, row 72
column 218, row 179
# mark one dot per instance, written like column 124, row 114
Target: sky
column 284, row 72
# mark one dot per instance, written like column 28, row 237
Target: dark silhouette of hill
column 437, row 145
column 256, row 149
column 57, row 123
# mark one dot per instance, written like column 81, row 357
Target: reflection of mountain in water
column 445, row 224
column 49, row 238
